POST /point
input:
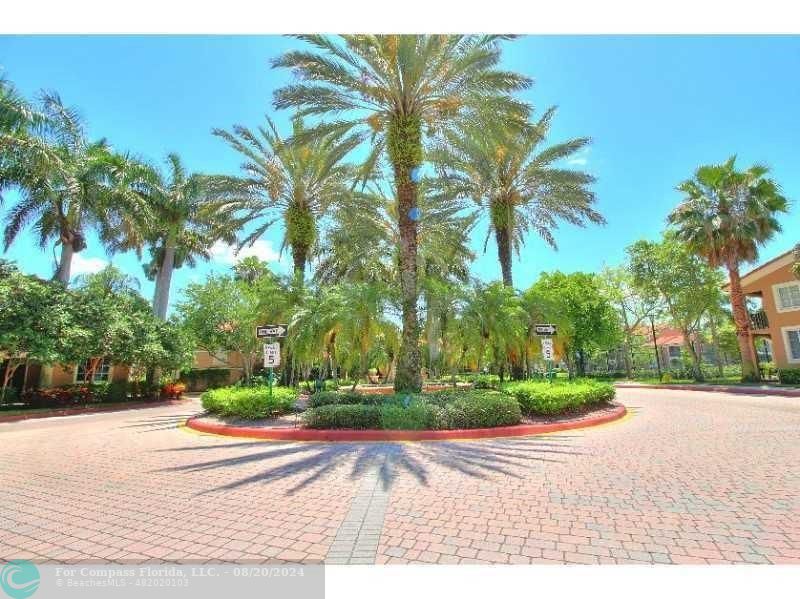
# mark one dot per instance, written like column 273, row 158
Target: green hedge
column 440, row 410
column 475, row 409
column 249, row 403
column 326, row 398
column 554, row 398
column 789, row 376
column 343, row 416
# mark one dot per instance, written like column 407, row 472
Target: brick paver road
column 689, row 478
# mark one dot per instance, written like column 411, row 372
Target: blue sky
column 656, row 107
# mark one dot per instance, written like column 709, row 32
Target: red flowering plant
column 57, row 397
column 173, row 390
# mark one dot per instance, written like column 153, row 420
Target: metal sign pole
column 271, row 374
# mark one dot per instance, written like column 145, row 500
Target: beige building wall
column 61, row 375
column 223, row 359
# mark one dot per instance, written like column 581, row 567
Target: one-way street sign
column 271, row 330
column 545, row 330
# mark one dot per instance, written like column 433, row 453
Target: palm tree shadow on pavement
column 313, row 462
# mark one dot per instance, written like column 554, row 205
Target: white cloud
column 85, row 266
column 580, row 159
column 261, row 249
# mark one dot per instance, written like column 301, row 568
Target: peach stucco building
column 774, row 286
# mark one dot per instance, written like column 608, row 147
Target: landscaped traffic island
column 521, row 408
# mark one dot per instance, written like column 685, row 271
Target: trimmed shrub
column 478, row 409
column 549, row 399
column 441, row 410
column 343, row 416
column 327, row 398
column 117, row 391
column 249, row 403
column 417, row 416
column 789, row 376
column 486, row 381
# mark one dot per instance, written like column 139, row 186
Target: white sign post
column 547, row 348
column 272, row 358
column 547, row 354
column 272, row 355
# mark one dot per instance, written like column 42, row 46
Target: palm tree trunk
column 504, row 254
column 742, row 322
column 65, row 262
column 299, row 257
column 408, row 363
column 163, row 282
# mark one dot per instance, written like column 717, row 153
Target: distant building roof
column 669, row 336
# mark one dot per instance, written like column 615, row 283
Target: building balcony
column 758, row 320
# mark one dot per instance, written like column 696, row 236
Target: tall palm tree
column 724, row 216
column 294, row 181
column 187, row 220
column 394, row 91
column 67, row 183
column 518, row 181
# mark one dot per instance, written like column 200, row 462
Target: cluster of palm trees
column 437, row 125
column 69, row 185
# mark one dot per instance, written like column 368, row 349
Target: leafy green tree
column 725, row 215
column 518, row 181
column 688, row 287
column 222, row 314
column 634, row 308
column 395, row 90
column 250, row 269
column 118, row 324
column 103, row 317
column 294, row 181
column 591, row 322
column 37, row 321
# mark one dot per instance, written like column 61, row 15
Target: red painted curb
column 307, row 434
column 717, row 389
column 91, row 410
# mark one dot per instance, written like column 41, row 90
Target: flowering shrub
column 173, row 390
column 57, row 397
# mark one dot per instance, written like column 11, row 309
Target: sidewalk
column 738, row 389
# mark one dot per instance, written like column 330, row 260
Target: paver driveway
column 690, row 477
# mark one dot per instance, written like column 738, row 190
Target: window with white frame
column 101, row 373
column 791, row 337
column 787, row 296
